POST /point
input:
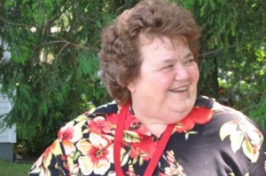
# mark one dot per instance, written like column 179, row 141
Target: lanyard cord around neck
column 119, row 139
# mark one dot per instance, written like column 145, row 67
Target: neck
column 156, row 129
column 155, row 123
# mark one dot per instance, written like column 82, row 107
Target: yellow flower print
column 243, row 134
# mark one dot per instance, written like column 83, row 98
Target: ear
column 131, row 86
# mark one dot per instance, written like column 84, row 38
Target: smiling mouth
column 179, row 89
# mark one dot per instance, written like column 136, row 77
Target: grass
column 14, row 169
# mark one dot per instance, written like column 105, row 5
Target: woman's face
column 167, row 86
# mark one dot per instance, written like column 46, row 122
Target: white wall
column 6, row 54
column 9, row 134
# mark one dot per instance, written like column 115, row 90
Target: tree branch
column 63, row 48
column 213, row 52
column 66, row 43
column 12, row 23
column 48, row 43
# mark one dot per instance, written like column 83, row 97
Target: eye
column 168, row 67
column 189, row 61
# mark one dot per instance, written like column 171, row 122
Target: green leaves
column 65, row 82
column 88, row 64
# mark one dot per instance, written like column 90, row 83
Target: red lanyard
column 119, row 138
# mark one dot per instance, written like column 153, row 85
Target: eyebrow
column 171, row 60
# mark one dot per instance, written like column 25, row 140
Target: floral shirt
column 213, row 140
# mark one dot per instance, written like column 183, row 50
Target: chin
column 184, row 107
column 180, row 108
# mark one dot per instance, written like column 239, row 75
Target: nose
column 181, row 72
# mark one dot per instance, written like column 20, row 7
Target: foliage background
column 52, row 75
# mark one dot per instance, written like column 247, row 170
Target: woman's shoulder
column 221, row 112
column 234, row 127
column 78, row 126
column 226, row 115
column 62, row 157
column 102, row 110
column 109, row 108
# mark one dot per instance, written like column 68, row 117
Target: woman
column 156, row 125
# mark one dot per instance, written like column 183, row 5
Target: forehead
column 155, row 40
column 158, row 51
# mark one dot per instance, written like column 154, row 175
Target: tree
column 53, row 70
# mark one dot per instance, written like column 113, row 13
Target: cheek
column 195, row 73
column 164, row 80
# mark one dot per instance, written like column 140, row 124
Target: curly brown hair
column 120, row 57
